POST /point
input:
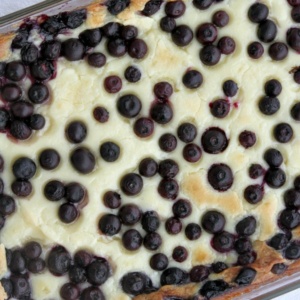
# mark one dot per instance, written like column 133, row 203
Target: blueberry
column 226, row 45
column 279, row 241
column 168, row 168
column 74, row 19
column 278, row 268
column 213, row 221
column 132, row 240
column 74, row 192
column 22, row 109
column 223, row 242
column 273, row 157
column 129, row 32
column 175, row 9
column 269, row 105
column 143, row 127
column 187, row 132
column 42, row 69
column 219, row 267
column 36, row 266
column 151, row 7
column 182, row 208
column 220, row 177
column 220, row 18
column 210, row 55
column 82, row 258
column 98, row 271
column 18, row 262
column 77, row 274
column 275, row 178
column 137, row 49
column 36, row 122
column 150, row 221
column 91, row 37
column 292, row 198
column 214, row 140
column 73, row 49
column 38, row 93
column 112, row 199
column 295, row 14
column 7, row 205
column 101, row 114
column 180, row 254
column 242, row 245
column 131, row 184
column 21, row 188
column 132, row 74
column 203, row 4
column 58, row 261
column 289, row 218
column 206, row 33
column 135, row 283
column 278, row 51
column 167, row 24
column 32, row 250
column 295, row 112
column 49, row 159
column 152, row 241
column 167, row 142
column 182, row 35
column 50, row 50
column 11, row 92
column 54, row 190
column 24, row 168
column 161, row 113
column 246, row 226
column 255, row 50
column 192, row 79
column 7, row 286
column 247, row 139
column 91, row 293
column 4, row 119
column 193, row 231
column 129, row 214
column 83, row 160
column 129, row 106
column 245, row 276
column 21, row 287
column 112, row 84
column 292, row 251
column 258, row 12
column 76, row 132
column 174, row 276
column 69, row 291
column 117, row 6
column 173, row 225
column 68, row 213
column 254, row 193
column 15, row 71
column 230, row 88
column 283, row 132
column 109, row 224
column 163, row 90
column 220, row 108
column 159, row 262
column 20, row 130
column 246, row 258
column 199, row 273
column 213, row 288
column 293, row 39
column 267, row 31
column 148, row 167
column 109, row 151
column 168, row 189
column 29, row 54
column 96, row 59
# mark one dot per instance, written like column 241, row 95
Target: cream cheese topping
column 78, row 89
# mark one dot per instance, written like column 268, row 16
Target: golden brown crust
column 5, row 42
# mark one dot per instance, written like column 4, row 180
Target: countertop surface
column 9, row 6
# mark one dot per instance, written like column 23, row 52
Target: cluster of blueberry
column 83, row 268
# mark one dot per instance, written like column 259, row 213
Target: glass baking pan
column 11, row 22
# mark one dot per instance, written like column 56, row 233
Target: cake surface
column 182, row 144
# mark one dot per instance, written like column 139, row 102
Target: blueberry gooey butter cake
column 150, row 150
